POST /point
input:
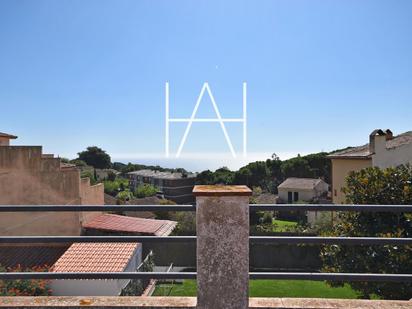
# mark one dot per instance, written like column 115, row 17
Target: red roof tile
column 116, row 223
column 95, row 257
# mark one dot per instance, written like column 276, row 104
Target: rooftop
column 125, row 224
column 362, row 152
column 95, row 257
column 7, row 135
column 300, row 183
column 161, row 175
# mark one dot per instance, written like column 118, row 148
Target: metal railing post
column 222, row 220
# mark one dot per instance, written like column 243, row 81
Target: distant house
column 96, row 257
column 302, row 189
column 384, row 150
column 176, row 187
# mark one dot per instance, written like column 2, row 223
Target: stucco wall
column 28, row 178
column 392, row 157
column 340, row 169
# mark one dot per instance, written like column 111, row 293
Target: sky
column 321, row 75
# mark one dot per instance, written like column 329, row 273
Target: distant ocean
column 198, row 162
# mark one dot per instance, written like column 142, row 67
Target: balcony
column 222, row 257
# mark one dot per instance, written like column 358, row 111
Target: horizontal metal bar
column 333, row 276
column 329, row 240
column 192, row 275
column 330, row 207
column 22, row 208
column 97, row 275
column 100, row 239
column 184, row 239
column 253, row 207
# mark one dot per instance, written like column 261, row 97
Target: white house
column 96, row 257
column 302, row 189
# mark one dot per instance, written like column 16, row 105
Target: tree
column 145, row 190
column 95, row 157
column 374, row 186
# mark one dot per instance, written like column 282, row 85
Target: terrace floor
column 189, row 303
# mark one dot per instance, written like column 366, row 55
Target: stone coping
column 221, row 190
column 189, row 302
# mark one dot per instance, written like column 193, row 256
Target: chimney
column 389, row 134
column 377, row 140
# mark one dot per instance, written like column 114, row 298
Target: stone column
column 222, row 220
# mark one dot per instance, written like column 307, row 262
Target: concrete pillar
column 222, row 220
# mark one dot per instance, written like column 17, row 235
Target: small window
column 295, row 196
column 289, row 197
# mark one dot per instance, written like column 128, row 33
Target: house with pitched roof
column 383, row 150
column 96, row 257
column 296, row 189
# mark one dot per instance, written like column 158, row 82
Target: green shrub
column 145, row 190
column 374, row 186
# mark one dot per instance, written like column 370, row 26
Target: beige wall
column 4, row 141
column 340, row 169
column 384, row 157
column 28, row 178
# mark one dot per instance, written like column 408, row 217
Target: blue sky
column 321, row 74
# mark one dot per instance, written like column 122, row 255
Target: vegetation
column 374, row 186
column 270, row 173
column 130, row 167
column 145, row 190
column 124, row 196
column 268, row 288
column 96, row 157
column 24, row 287
column 113, row 187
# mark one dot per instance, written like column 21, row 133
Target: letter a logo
column 193, row 118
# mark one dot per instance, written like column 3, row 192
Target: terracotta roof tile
column 95, row 257
column 125, row 224
column 300, row 183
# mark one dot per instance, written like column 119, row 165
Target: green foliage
column 96, row 157
column 124, row 196
column 186, row 223
column 270, row 173
column 89, row 174
column 131, row 167
column 24, row 287
column 375, row 186
column 78, row 162
column 145, row 190
column 115, row 186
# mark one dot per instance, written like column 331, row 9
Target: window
column 295, row 196
column 289, row 197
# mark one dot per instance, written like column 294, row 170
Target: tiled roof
column 125, row 224
column 363, row 151
column 95, row 257
column 7, row 135
column 300, row 183
column 30, row 256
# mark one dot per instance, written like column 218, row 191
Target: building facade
column 383, row 150
column 29, row 177
column 176, row 187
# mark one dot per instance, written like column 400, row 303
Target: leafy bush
column 145, row 190
column 24, row 287
column 374, row 186
column 125, row 195
column 115, row 186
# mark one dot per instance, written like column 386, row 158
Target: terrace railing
column 223, row 240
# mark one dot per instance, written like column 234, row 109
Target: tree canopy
column 96, row 157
